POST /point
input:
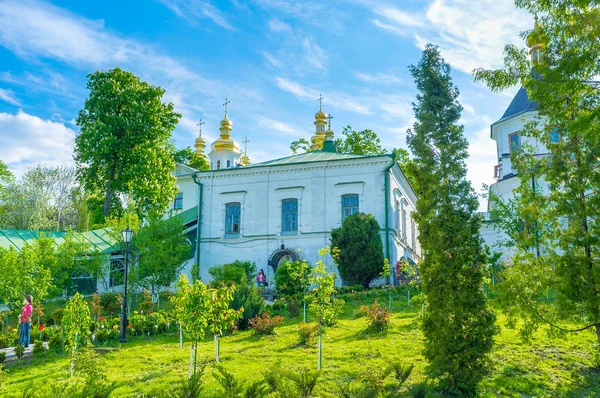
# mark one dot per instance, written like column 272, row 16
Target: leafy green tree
column 291, row 280
column 365, row 142
column 359, row 250
column 220, row 316
column 76, row 323
column 192, row 305
column 162, row 247
column 458, row 325
column 125, row 145
column 189, row 157
column 561, row 222
column 324, row 307
column 234, row 273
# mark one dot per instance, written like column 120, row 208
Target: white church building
column 284, row 209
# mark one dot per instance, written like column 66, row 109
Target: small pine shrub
column 308, row 334
column 378, row 317
column 266, row 324
column 38, row 347
column 231, row 386
column 19, row 351
column 305, row 380
column 55, row 339
column 419, row 390
column 401, row 372
column 192, row 387
column 247, row 296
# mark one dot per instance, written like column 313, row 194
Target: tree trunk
column 217, row 348
column 320, row 354
column 109, row 193
column 598, row 332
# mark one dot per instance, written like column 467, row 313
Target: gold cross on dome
column 200, row 124
column 245, row 142
column 329, row 117
column 320, row 99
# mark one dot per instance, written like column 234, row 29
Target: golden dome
column 536, row 40
column 245, row 160
column 224, row 142
column 200, row 144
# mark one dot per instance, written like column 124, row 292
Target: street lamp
column 127, row 235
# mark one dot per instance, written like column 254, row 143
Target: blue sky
column 271, row 58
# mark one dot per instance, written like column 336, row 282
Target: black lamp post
column 127, row 235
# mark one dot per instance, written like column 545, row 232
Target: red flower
column 130, row 326
column 41, row 327
column 149, row 312
column 101, row 318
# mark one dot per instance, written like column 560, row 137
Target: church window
column 232, row 219
column 218, row 164
column 403, row 222
column 349, row 205
column 228, row 163
column 515, row 142
column 554, row 135
column 117, row 272
column 289, row 215
column 397, row 215
column 178, row 202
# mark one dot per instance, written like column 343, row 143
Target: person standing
column 261, row 280
column 26, row 321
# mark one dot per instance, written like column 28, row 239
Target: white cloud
column 379, row 78
column 278, row 126
column 298, row 51
column 28, row 140
column 470, row 34
column 191, row 10
column 481, row 161
column 9, row 97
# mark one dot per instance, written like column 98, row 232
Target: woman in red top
column 26, row 321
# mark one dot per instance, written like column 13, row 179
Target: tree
column 163, row 247
column 561, row 221
column 458, row 325
column 188, row 157
column 359, row 250
column 220, row 317
column 292, row 280
column 365, row 142
column 125, row 145
column 324, row 307
column 76, row 323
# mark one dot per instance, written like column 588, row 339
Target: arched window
column 228, row 163
column 403, row 221
column 218, row 164
column 397, row 216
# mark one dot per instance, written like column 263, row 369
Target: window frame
column 351, row 207
column 229, row 228
column 294, row 221
column 511, row 148
column 178, row 199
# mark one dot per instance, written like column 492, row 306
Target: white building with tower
column 284, row 209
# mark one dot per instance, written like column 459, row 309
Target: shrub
column 265, row 324
column 233, row 273
column 308, row 334
column 378, row 316
column 305, row 380
column 291, row 279
column 293, row 309
column 147, row 304
column 2, row 357
column 19, row 351
column 111, row 302
column 38, row 347
column 401, row 372
column 247, row 296
column 192, row 387
column 358, row 249
column 55, row 338
column 57, row 315
column 278, row 305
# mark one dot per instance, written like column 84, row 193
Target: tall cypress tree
column 458, row 324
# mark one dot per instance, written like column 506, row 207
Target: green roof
column 98, row 238
column 317, row 156
column 188, row 216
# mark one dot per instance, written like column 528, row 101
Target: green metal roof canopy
column 99, row 238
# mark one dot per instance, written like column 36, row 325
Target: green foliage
column 111, row 302
column 76, row 324
column 458, row 325
column 163, row 247
column 94, row 377
column 247, row 298
column 358, row 249
column 308, row 333
column 378, row 317
column 304, row 379
column 19, row 351
column 38, row 347
column 266, row 324
column 365, row 142
column 235, row 273
column 559, row 225
column 2, row 357
column 291, row 279
column 325, row 308
column 125, row 144
column 192, row 387
column 189, row 157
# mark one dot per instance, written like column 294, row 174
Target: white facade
column 313, row 183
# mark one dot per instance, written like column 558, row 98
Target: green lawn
column 154, row 366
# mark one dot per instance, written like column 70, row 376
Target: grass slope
column 152, row 367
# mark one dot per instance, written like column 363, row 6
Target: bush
column 291, row 279
column 247, row 296
column 38, row 347
column 147, row 304
column 55, row 340
column 233, row 273
column 2, row 357
column 57, row 315
column 19, row 351
column 378, row 316
column 308, row 334
column 350, row 289
column 111, row 302
column 265, row 324
column 358, row 249
column 293, row 309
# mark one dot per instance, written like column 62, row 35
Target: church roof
column 520, row 103
column 316, row 156
column 99, row 238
